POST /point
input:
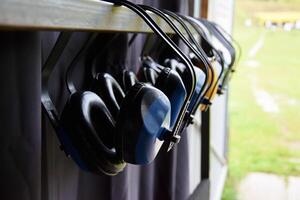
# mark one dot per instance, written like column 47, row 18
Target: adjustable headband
column 199, row 48
column 198, row 52
column 227, row 44
column 220, row 37
column 49, row 66
column 70, row 84
column 196, row 28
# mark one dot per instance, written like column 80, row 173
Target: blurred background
column 264, row 105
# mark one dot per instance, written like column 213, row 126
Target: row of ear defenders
column 215, row 46
column 112, row 122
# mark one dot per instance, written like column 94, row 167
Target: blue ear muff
column 196, row 98
column 143, row 118
column 170, row 83
column 200, row 79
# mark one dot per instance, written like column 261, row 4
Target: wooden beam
column 204, row 9
column 77, row 15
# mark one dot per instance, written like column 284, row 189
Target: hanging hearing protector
column 212, row 74
column 128, row 79
column 180, row 119
column 197, row 52
column 200, row 77
column 234, row 52
column 168, row 81
column 211, row 50
column 101, row 135
column 225, row 48
column 150, row 70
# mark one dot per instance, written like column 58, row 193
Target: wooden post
column 204, row 9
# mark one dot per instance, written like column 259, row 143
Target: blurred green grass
column 260, row 141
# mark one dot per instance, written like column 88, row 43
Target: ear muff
column 149, row 70
column 211, row 93
column 181, row 69
column 175, row 65
column 110, row 91
column 143, row 118
column 88, row 134
column 200, row 79
column 128, row 80
column 211, row 78
column 170, row 83
column 148, row 75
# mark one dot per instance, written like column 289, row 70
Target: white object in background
column 248, row 22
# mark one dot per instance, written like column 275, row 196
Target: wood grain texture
column 79, row 15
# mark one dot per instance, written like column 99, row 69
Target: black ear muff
column 110, row 91
column 88, row 133
column 128, row 80
column 143, row 118
column 170, row 83
column 181, row 69
column 149, row 70
column 148, row 75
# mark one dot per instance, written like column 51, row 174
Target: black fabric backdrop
column 32, row 166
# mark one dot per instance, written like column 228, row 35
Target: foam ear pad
column 180, row 68
column 149, row 70
column 144, row 115
column 148, row 75
column 88, row 134
column 128, row 80
column 110, row 91
column 170, row 83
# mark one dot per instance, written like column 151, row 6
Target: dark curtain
column 32, row 166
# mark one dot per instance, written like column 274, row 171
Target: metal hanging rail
column 77, row 15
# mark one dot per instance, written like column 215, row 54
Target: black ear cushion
column 110, row 91
column 148, row 75
column 181, row 69
column 171, row 63
column 129, row 79
column 90, row 128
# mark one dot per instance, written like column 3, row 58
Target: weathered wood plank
column 79, row 15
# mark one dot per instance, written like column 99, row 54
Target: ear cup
column 149, row 70
column 144, row 115
column 110, row 91
column 88, row 133
column 181, row 69
column 128, row 80
column 200, row 79
column 148, row 75
column 170, row 83
column 211, row 78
